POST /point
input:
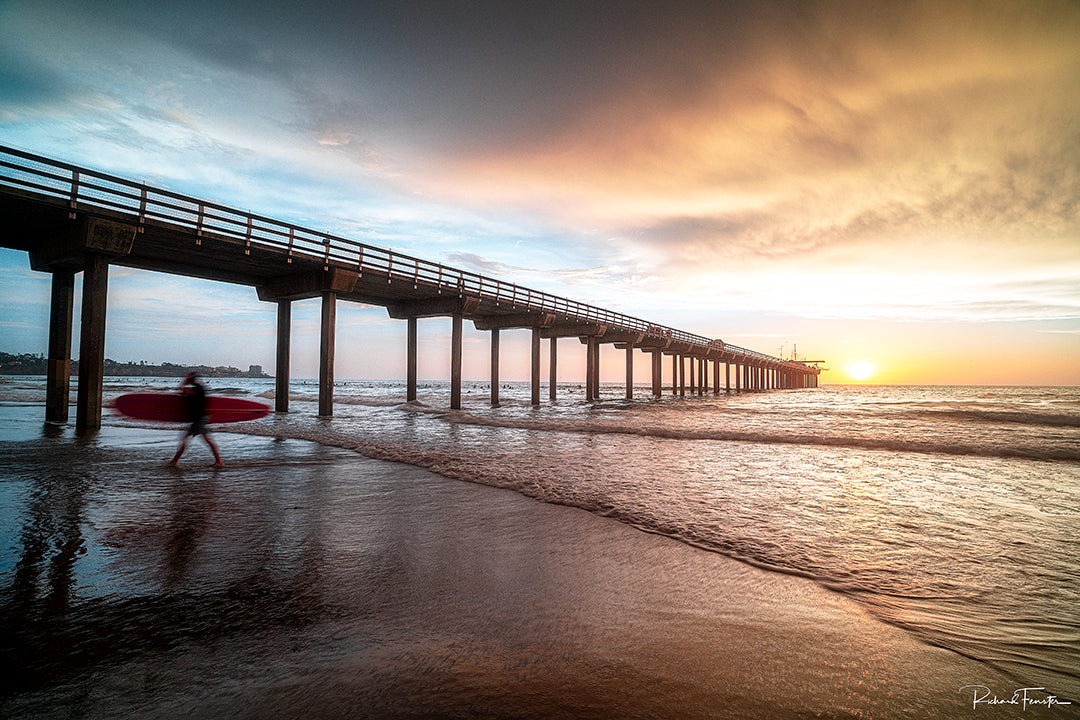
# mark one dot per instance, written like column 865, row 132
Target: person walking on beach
column 195, row 394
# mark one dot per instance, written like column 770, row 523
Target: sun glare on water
column 860, row 370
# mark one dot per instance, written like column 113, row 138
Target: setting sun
column 860, row 370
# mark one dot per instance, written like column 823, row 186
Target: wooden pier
column 71, row 219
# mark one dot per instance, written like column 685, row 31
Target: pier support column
column 92, row 343
column 703, row 376
column 536, row 366
column 593, row 350
column 657, row 371
column 553, row 353
column 455, row 362
column 629, row 371
column 589, row 359
column 281, row 367
column 682, row 376
column 410, row 360
column 327, row 346
column 716, row 377
column 495, row 367
column 727, row 377
column 58, row 378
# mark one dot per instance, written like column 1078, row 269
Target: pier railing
column 88, row 191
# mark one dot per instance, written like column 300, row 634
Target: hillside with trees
column 27, row 364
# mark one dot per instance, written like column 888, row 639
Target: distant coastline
column 27, row 364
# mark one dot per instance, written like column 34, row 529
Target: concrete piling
column 327, row 344
column 455, row 362
column 495, row 367
column 92, row 343
column 58, row 377
column 281, row 369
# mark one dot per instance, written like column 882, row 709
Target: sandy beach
column 307, row 581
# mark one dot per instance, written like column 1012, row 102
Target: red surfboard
column 172, row 407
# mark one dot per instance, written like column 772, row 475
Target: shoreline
column 399, row 593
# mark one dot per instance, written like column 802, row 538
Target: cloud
column 477, row 262
column 852, row 129
column 745, row 153
column 27, row 84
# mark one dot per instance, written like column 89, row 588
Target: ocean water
column 951, row 512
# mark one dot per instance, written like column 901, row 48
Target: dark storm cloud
column 24, row 83
column 476, row 73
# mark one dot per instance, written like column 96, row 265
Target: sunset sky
column 891, row 184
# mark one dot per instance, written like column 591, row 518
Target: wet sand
column 307, row 581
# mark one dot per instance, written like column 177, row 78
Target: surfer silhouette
column 195, row 394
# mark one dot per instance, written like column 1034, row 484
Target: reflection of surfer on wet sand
column 195, row 395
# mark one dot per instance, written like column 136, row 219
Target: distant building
column 255, row 370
